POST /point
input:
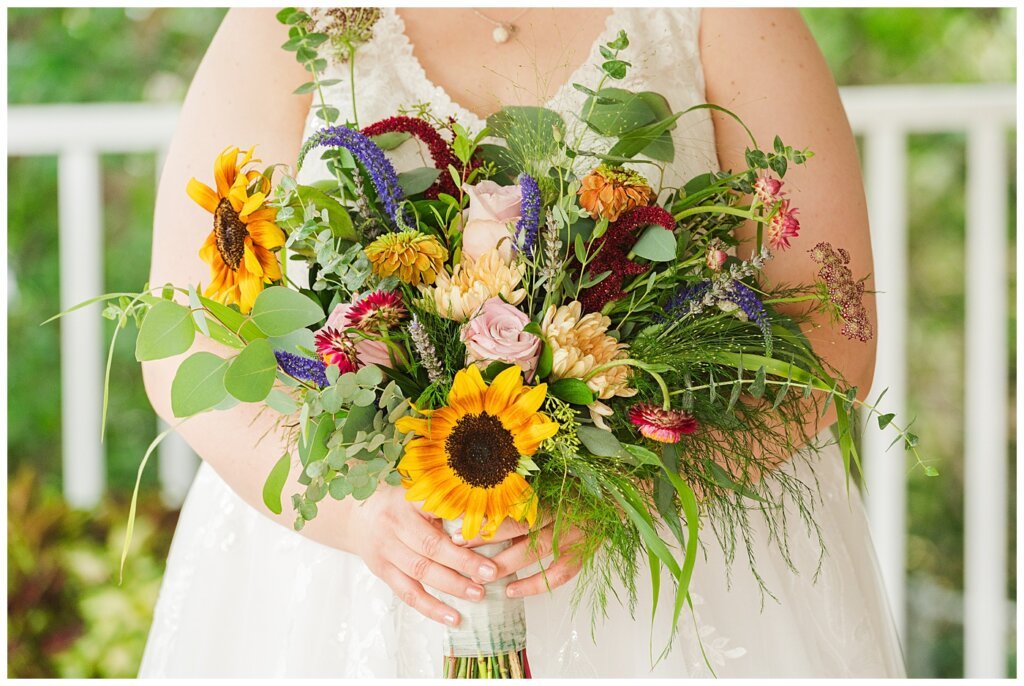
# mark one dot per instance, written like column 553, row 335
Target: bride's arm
column 242, row 95
column 764, row 65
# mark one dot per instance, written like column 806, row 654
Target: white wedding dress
column 246, row 597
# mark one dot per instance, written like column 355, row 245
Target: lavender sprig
column 529, row 217
column 377, row 165
column 303, row 368
column 425, row 350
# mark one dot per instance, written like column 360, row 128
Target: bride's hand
column 407, row 549
column 522, row 553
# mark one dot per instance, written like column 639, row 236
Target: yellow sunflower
column 468, row 458
column 240, row 248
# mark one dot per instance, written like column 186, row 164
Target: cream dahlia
column 579, row 345
column 473, row 283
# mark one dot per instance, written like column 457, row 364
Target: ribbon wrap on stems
column 494, row 627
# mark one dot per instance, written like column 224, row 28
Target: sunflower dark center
column 230, row 233
column 481, row 451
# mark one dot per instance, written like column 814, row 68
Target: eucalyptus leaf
column 167, row 330
column 415, row 181
column 657, row 244
column 274, row 484
column 599, row 442
column 198, row 384
column 251, row 374
column 279, row 311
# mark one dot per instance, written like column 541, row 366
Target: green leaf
column 656, row 244
column 279, row 311
column 369, row 376
column 724, row 479
column 167, row 330
column 757, row 388
column 621, row 41
column 281, row 401
column 615, row 69
column 198, row 385
column 493, row 369
column 885, row 419
column 314, row 446
column 599, row 442
column 274, row 484
column 251, row 375
column 233, row 320
column 307, row 87
column 390, row 140
column 340, row 488
column 528, row 131
column 930, row 470
column 572, row 391
column 633, row 142
column 285, row 14
column 616, row 111
column 546, row 362
column 294, row 342
column 416, row 181
column 337, row 216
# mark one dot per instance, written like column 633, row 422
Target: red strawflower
column 440, row 151
column 614, row 246
column 336, row 348
column 378, row 310
column 659, row 424
column 782, row 226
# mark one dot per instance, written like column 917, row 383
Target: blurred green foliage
column 150, row 54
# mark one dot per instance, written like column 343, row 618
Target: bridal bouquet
column 531, row 329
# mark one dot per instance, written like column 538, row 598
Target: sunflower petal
column 204, row 196
column 502, row 390
column 528, row 439
column 265, row 233
column 467, row 391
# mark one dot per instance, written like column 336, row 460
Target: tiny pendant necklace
column 503, row 30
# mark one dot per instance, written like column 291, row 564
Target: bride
column 352, row 594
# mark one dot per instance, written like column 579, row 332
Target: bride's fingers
column 431, row 542
column 509, row 528
column 415, row 596
column 430, row 573
column 560, row 572
column 525, row 552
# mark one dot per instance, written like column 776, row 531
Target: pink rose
column 491, row 209
column 496, row 334
column 367, row 351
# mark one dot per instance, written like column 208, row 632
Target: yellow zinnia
column 466, row 459
column 240, row 247
column 415, row 257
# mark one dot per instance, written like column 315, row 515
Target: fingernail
column 475, row 592
column 449, row 619
column 457, row 538
column 512, row 592
column 488, row 571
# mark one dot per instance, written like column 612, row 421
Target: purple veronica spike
column 304, row 368
column 377, row 165
column 529, row 217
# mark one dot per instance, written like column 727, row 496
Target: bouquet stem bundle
column 490, row 641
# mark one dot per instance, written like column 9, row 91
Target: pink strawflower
column 782, row 226
column 659, row 424
column 378, row 310
column 337, row 349
column 337, row 342
column 768, row 190
column 716, row 256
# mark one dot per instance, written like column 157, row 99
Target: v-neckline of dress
column 472, row 117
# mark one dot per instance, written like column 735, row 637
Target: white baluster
column 885, row 472
column 985, row 459
column 81, row 333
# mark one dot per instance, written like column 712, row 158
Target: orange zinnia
column 240, row 248
column 609, row 191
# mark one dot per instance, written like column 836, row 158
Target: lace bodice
column 663, row 51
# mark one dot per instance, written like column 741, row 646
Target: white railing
column 884, row 116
